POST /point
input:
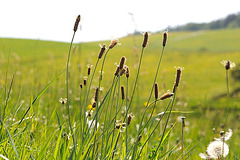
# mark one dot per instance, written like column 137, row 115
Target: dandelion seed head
column 217, row 149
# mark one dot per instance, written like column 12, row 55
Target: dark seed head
column 103, row 49
column 89, row 70
column 123, row 92
column 227, row 66
column 96, row 94
column 81, row 85
column 117, row 71
column 85, row 82
column 166, row 95
column 127, row 72
column 156, row 90
column 76, row 23
column 123, row 59
column 145, row 40
column 164, row 39
column 178, row 76
column 139, row 138
column 123, row 71
column 129, row 119
column 113, row 43
column 94, row 104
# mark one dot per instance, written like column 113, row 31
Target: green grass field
column 36, row 63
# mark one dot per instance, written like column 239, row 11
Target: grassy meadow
column 28, row 66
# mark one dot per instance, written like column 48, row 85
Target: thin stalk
column 164, row 127
column 136, row 79
column 182, row 138
column 7, row 98
column 85, row 107
column 156, row 74
column 228, row 99
column 155, row 127
column 126, row 117
column 99, row 84
column 115, row 119
column 68, row 103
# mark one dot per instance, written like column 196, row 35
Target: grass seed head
column 123, row 92
column 183, row 122
column 76, row 23
column 127, row 72
column 117, row 71
column 113, row 43
column 156, row 90
column 139, row 138
column 102, row 51
column 166, row 95
column 228, row 64
column 129, row 118
column 122, row 62
column 81, row 85
column 96, row 94
column 94, row 104
column 89, row 71
column 145, row 40
column 85, row 81
column 123, row 71
column 164, row 39
column 178, row 76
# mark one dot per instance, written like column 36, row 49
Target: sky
column 103, row 19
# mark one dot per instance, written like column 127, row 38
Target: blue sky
column 105, row 19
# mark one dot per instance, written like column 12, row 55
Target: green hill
column 200, row 53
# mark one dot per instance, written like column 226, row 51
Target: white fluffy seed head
column 217, row 149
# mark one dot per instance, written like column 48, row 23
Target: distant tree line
column 231, row 21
